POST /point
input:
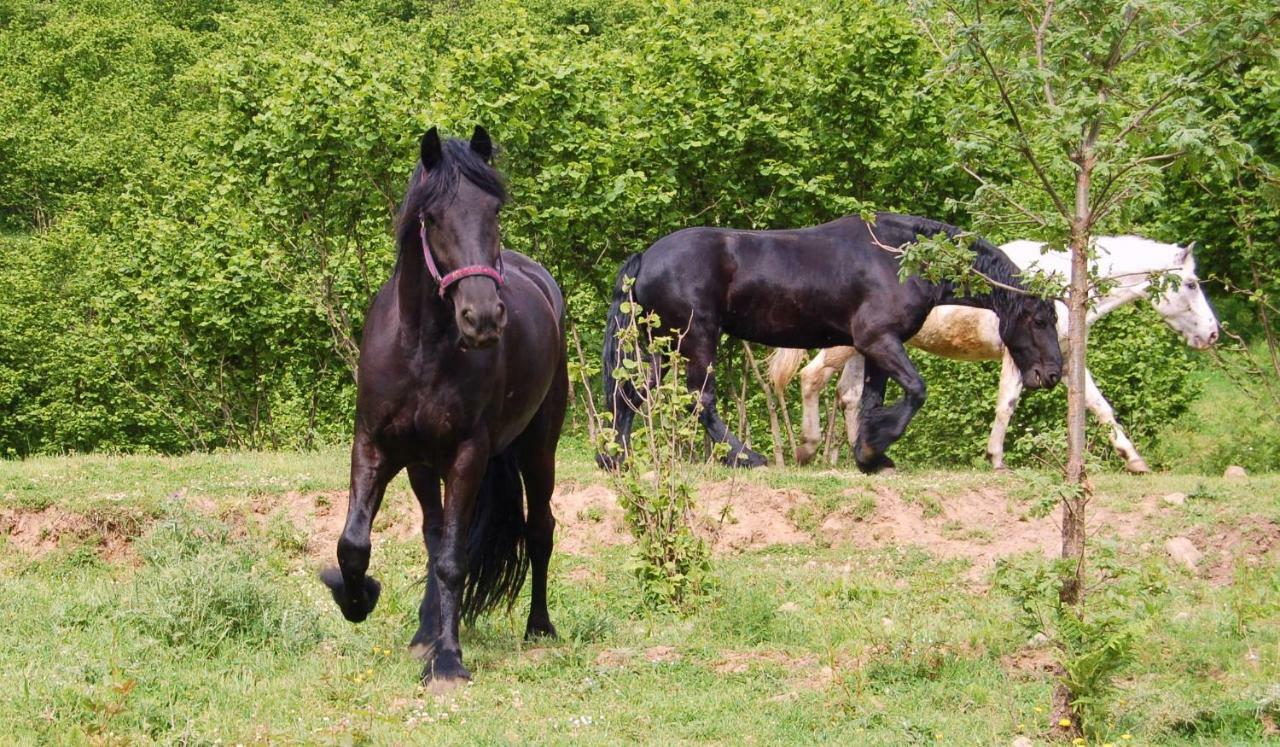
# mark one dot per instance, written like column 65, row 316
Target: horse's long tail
column 496, row 557
column 783, row 365
column 616, row 321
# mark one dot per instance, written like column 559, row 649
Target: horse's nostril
column 502, row 313
column 1213, row 337
column 468, row 316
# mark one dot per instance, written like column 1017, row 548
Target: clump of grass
column 199, row 591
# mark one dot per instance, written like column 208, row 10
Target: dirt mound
column 742, row 516
column 732, row 516
column 317, row 518
column 587, row 518
column 1251, row 542
column 979, row 525
column 38, row 532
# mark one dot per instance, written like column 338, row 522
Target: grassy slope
column 206, row 631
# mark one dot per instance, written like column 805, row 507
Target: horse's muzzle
column 481, row 327
column 1041, row 377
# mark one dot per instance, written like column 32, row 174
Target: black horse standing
column 834, row 284
column 462, row 378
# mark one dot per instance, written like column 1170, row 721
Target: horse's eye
column 1190, row 285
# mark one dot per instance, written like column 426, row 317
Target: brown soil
column 979, row 525
column 1250, row 541
column 41, row 531
column 587, row 518
column 320, row 516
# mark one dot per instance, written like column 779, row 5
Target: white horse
column 969, row 334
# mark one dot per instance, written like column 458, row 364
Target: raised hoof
column 877, row 463
column 533, row 631
column 805, row 454
column 356, row 604
column 1137, row 467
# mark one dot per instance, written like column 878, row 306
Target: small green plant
column 1096, row 640
column 656, row 480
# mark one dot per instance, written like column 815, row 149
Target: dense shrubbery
column 198, row 195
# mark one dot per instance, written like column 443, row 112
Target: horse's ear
column 1185, row 255
column 429, row 150
column 481, row 144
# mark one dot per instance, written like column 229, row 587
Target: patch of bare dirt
column 979, row 525
column 587, row 518
column 753, row 516
column 732, row 516
column 1251, row 541
column 38, row 532
column 1032, row 661
column 739, row 662
column 319, row 517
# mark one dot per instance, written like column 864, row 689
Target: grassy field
column 175, row 600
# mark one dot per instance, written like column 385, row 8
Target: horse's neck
column 416, row 298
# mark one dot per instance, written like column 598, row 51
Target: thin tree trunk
column 1078, row 489
column 588, row 399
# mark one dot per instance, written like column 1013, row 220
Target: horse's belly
column 960, row 333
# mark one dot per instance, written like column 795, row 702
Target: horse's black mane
column 423, row 194
column 895, row 229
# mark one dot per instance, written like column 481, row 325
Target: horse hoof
column 805, row 454
column 355, row 604
column 878, row 463
column 534, row 631
column 608, row 463
column 1137, row 467
column 445, row 674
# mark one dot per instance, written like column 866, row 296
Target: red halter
column 498, row 276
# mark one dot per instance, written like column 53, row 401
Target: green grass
column 214, row 628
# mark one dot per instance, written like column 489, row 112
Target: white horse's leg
column 1101, row 409
column 813, row 378
column 1006, row 403
column 850, row 391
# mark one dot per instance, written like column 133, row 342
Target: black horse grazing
column 463, row 378
column 834, row 284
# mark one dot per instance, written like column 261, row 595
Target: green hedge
column 199, row 195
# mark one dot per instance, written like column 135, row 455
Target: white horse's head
column 1184, row 307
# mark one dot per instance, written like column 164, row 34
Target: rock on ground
column 1184, row 551
column 1235, row 472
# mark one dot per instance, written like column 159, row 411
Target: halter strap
column 498, row 276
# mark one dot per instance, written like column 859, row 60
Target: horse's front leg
column 813, row 379
column 699, row 348
column 355, row 592
column 461, row 484
column 1006, row 403
column 426, row 486
column 882, row 425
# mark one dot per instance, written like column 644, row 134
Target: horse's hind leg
column 813, row 378
column 882, row 425
column 538, row 468
column 355, row 592
column 426, row 486
column 849, row 389
column 699, row 348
